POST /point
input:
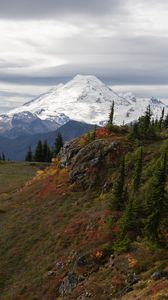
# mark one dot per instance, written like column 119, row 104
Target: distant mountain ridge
column 16, row 148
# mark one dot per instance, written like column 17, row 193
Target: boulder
column 159, row 274
column 81, row 261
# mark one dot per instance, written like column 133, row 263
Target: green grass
column 13, row 175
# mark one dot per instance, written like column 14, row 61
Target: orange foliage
column 55, row 161
column 99, row 254
column 132, row 262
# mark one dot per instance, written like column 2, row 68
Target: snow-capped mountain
column 84, row 98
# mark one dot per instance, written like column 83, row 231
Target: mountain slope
column 24, row 123
column 56, row 233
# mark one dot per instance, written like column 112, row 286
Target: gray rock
column 81, row 261
column 124, row 291
column 51, row 273
column 159, row 274
column 68, row 284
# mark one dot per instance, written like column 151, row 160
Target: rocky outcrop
column 85, row 161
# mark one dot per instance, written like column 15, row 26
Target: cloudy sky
column 44, row 42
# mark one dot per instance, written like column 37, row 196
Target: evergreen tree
column 38, row 156
column 135, row 130
column 49, row 155
column 161, row 121
column 147, row 120
column 130, row 223
column 45, row 151
column 3, row 156
column 156, row 202
column 166, row 122
column 29, row 155
column 146, row 126
column 138, row 171
column 117, row 201
column 131, row 219
column 58, row 144
column 111, row 116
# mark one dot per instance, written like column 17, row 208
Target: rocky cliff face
column 90, row 162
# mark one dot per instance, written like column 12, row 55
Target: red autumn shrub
column 102, row 132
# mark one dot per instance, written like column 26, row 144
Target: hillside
column 60, row 238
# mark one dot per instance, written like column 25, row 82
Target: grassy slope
column 13, row 175
column 48, row 224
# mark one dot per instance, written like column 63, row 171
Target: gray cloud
column 47, row 42
column 56, row 8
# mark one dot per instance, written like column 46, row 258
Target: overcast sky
column 43, row 42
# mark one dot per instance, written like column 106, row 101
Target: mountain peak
column 84, row 98
column 80, row 77
column 85, row 81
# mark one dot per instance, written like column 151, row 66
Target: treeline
column 142, row 204
column 43, row 153
column 147, row 127
column 2, row 157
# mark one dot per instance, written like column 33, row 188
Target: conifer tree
column 156, row 202
column 29, row 155
column 117, row 201
column 58, row 144
column 166, row 122
column 135, row 130
column 111, row 116
column 49, row 155
column 161, row 121
column 129, row 222
column 38, row 156
column 46, row 152
column 145, row 121
column 138, row 171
